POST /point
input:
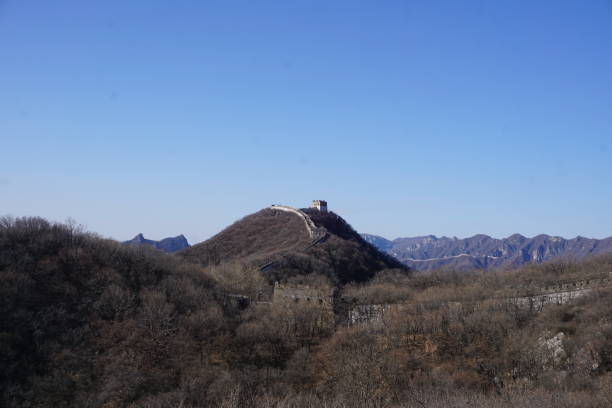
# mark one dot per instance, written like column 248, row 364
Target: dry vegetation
column 86, row 322
column 282, row 237
column 257, row 238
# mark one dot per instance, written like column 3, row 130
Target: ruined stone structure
column 307, row 298
column 371, row 314
column 320, row 205
column 568, row 286
column 290, row 295
column 559, row 294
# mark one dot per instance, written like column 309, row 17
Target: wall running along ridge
column 317, row 234
column 310, row 226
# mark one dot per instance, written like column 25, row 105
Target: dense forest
column 88, row 322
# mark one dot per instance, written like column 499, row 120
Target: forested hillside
column 88, row 322
column 281, row 241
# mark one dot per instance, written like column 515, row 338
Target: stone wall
column 551, row 295
column 310, row 226
column 290, row 295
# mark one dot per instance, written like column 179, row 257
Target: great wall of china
column 535, row 301
column 286, row 295
column 310, row 225
column 525, row 298
column 317, row 234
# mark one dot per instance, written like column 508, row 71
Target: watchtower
column 320, row 205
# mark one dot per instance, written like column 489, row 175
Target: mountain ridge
column 169, row 245
column 280, row 241
column 483, row 252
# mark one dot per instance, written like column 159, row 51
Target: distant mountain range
column 482, row 251
column 170, row 245
column 478, row 252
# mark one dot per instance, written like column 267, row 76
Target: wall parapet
column 310, row 225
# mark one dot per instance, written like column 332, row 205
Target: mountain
column 482, row 251
column 379, row 242
column 169, row 245
column 89, row 322
column 283, row 242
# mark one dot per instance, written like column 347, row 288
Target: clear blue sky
column 409, row 117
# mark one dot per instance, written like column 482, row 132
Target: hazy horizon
column 410, row 118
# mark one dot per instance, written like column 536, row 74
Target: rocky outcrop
column 551, row 351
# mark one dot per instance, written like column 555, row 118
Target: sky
column 409, row 117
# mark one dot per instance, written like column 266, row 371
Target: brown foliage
column 86, row 322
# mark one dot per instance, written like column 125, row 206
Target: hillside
column 281, row 244
column 483, row 252
column 256, row 239
column 171, row 244
column 88, row 322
